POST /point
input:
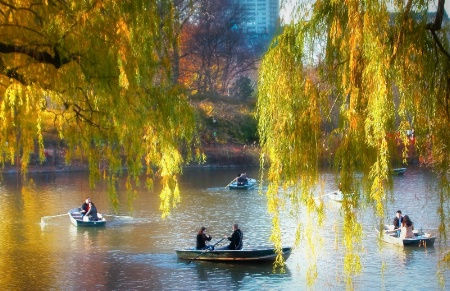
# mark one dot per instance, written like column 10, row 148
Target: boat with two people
column 234, row 252
column 254, row 255
column 80, row 220
column 392, row 236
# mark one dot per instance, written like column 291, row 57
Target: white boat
column 77, row 219
column 420, row 239
column 336, row 196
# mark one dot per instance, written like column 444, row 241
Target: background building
column 261, row 16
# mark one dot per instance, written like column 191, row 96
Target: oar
column 44, row 218
column 205, row 251
column 230, row 183
column 118, row 216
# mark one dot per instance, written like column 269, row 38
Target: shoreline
column 9, row 170
column 217, row 156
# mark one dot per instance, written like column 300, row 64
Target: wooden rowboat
column 77, row 219
column 250, row 184
column 244, row 255
column 420, row 239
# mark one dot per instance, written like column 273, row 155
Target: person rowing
column 235, row 239
column 89, row 211
column 241, row 179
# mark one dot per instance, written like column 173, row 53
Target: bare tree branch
column 41, row 56
column 437, row 25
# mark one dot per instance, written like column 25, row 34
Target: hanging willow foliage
column 387, row 70
column 101, row 72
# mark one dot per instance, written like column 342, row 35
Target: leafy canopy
column 385, row 66
column 100, row 71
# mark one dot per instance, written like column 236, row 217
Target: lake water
column 41, row 250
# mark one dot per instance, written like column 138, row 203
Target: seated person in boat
column 398, row 220
column 242, row 179
column 244, row 176
column 202, row 238
column 235, row 239
column 85, row 206
column 407, row 228
column 91, row 214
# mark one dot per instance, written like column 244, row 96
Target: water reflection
column 135, row 251
column 410, row 263
column 86, row 257
column 226, row 276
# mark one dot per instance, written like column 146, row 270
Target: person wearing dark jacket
column 92, row 212
column 398, row 220
column 89, row 211
column 242, row 179
column 235, row 239
column 85, row 206
column 202, row 238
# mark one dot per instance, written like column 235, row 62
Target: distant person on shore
column 202, row 238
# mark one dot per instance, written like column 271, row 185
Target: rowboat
column 336, row 196
column 77, row 219
column 249, row 185
column 244, row 255
column 420, row 239
column 398, row 171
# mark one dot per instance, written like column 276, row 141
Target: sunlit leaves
column 102, row 72
column 289, row 125
column 387, row 76
column 20, row 115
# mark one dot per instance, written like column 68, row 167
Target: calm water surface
column 41, row 250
